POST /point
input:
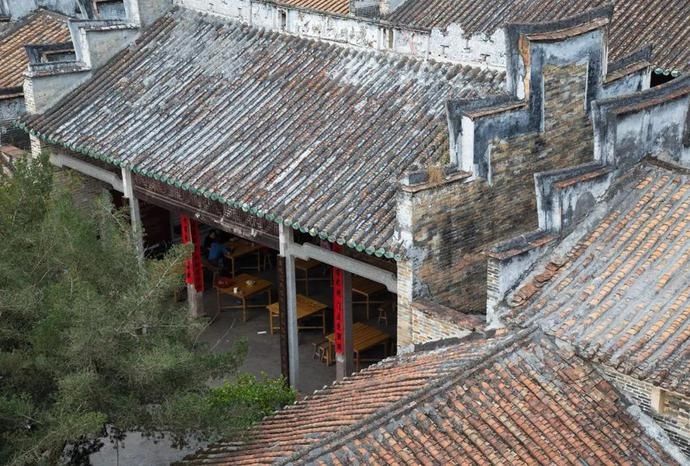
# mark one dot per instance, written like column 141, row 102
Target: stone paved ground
column 140, row 451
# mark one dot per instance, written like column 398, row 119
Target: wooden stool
column 320, row 351
column 383, row 315
column 267, row 258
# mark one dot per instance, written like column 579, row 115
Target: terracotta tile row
column 623, row 298
column 519, row 401
column 341, row 7
column 342, row 405
column 42, row 27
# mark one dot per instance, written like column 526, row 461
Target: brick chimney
column 389, row 6
column 144, row 12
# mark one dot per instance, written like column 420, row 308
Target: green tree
column 91, row 337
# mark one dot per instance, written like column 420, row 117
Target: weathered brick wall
column 493, row 271
column 433, row 322
column 676, row 417
column 10, row 135
column 453, row 223
column 404, row 320
column 84, row 189
column 426, row 328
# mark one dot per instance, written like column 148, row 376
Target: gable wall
column 454, row 223
column 675, row 419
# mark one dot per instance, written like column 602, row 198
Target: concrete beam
column 62, row 160
column 348, row 264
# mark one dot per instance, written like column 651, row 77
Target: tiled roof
column 519, row 400
column 341, row 7
column 636, row 23
column 343, row 404
column 42, row 27
column 622, row 297
column 305, row 132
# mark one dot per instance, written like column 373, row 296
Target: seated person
column 216, row 251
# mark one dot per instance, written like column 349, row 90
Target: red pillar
column 338, row 306
column 194, row 272
column 342, row 320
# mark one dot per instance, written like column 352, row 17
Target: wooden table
column 366, row 288
column 240, row 248
column 244, row 292
column 306, row 266
column 305, row 307
column 363, row 337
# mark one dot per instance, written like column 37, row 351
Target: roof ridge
column 430, row 64
column 338, row 438
column 52, row 13
column 673, row 168
column 14, row 27
column 409, row 357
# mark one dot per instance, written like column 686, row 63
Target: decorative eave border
column 245, row 207
column 667, row 72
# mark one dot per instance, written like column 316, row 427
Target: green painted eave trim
column 245, row 207
column 667, row 72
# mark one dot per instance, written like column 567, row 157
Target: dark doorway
column 660, row 78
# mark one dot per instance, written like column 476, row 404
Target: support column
column 282, row 315
column 286, row 239
column 342, row 320
column 194, row 273
column 135, row 215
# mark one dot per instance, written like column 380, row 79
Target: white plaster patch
column 657, row 433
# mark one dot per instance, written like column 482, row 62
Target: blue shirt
column 217, row 251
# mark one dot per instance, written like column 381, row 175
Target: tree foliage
column 91, row 336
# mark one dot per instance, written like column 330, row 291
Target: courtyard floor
column 263, row 355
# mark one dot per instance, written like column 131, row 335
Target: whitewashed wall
column 20, row 8
column 451, row 45
column 11, row 109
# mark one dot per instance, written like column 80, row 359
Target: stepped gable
column 636, row 23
